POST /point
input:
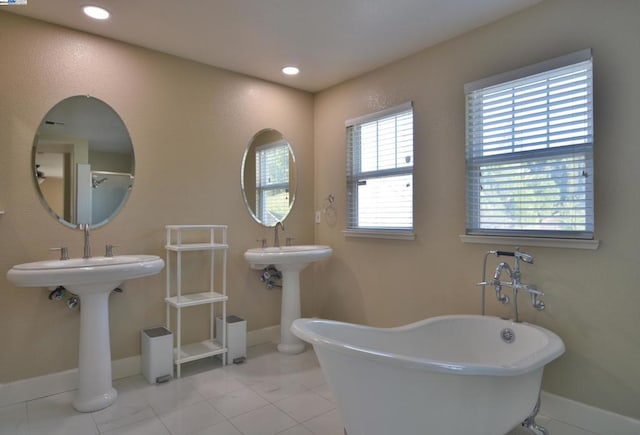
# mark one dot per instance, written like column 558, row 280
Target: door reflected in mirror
column 268, row 177
column 83, row 161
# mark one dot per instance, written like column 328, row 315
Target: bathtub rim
column 537, row 360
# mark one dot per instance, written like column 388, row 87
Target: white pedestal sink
column 289, row 260
column 92, row 279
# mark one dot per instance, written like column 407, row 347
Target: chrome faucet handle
column 535, row 295
column 263, row 242
column 108, row 249
column 64, row 252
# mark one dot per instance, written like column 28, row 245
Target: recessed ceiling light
column 290, row 70
column 96, row 12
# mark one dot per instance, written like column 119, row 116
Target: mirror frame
column 293, row 187
column 69, row 139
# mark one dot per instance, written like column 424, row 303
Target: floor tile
column 151, row 426
column 171, row 395
column 214, row 383
column 279, row 387
column 237, row 402
column 224, row 428
column 310, row 377
column 192, row 418
column 329, row 423
column 297, row 430
column 54, row 415
column 304, row 406
column 324, row 391
column 129, row 407
column 13, row 419
column 267, row 420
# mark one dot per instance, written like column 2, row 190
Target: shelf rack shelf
column 176, row 298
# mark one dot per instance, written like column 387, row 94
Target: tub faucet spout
column 503, row 265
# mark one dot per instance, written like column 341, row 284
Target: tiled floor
column 269, row 394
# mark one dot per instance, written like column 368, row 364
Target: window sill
column 381, row 234
column 531, row 241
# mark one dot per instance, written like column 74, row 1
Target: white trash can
column 157, row 354
column 236, row 338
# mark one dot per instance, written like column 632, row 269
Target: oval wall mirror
column 83, row 161
column 268, row 177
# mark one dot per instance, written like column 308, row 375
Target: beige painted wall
column 592, row 297
column 189, row 125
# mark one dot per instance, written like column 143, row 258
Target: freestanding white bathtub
column 448, row 375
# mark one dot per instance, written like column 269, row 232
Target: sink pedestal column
column 95, row 390
column 290, row 260
column 289, row 312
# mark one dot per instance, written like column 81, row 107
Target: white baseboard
column 270, row 334
column 587, row 417
column 54, row 383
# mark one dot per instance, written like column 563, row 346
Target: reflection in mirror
column 83, row 161
column 268, row 177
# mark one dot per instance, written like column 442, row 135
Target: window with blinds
column 380, row 171
column 272, row 182
column 529, row 151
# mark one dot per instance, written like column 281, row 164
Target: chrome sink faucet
column 276, row 239
column 86, row 229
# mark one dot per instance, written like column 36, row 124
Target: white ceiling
column 330, row 40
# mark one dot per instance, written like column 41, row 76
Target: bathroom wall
column 189, row 124
column 592, row 297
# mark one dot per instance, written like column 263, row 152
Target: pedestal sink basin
column 289, row 260
column 92, row 279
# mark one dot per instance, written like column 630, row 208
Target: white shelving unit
column 184, row 238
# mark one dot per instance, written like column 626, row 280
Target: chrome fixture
column 276, row 239
column 263, row 242
column 530, row 422
column 73, row 301
column 508, row 335
column 514, row 283
column 86, row 229
column 64, row 252
column 108, row 249
column 57, row 293
column 271, row 277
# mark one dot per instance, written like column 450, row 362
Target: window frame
column 352, row 176
column 473, row 229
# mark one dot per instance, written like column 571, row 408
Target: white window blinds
column 380, row 170
column 529, row 151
